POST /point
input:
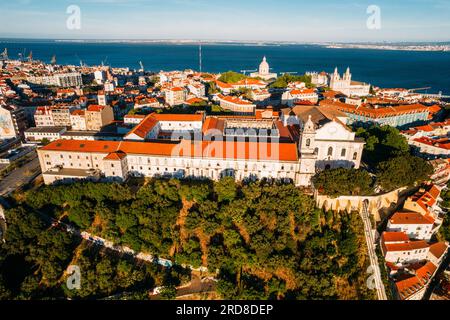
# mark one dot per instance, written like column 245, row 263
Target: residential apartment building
column 13, row 122
column 197, row 89
column 70, row 79
column 37, row 134
column 404, row 252
column 98, row 116
column 78, row 120
column 394, row 116
column 175, row 96
column 414, row 287
column 415, row 225
column 43, row 117
column 237, row 105
column 61, row 116
column 290, row 98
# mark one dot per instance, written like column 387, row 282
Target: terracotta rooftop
column 438, row 249
column 394, row 237
column 410, row 218
column 407, row 246
column 408, row 287
column 142, row 129
column 201, row 149
column 234, row 100
column 95, row 108
column 382, row 112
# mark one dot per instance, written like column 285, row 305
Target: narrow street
column 371, row 249
column 20, row 176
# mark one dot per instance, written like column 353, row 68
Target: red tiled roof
column 394, row 237
column 223, row 85
column 135, row 116
column 212, row 123
column 410, row 218
column 407, row 246
column 434, row 109
column 443, row 143
column 382, row 112
column 202, row 149
column 194, row 100
column 78, row 112
column 144, row 127
column 438, row 249
column 115, row 156
column 234, row 100
column 302, row 92
column 95, row 108
column 408, row 287
column 249, row 82
column 177, row 117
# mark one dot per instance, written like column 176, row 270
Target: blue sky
column 283, row 20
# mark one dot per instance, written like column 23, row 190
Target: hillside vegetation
column 267, row 241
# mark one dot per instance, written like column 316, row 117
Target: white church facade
column 348, row 87
column 325, row 141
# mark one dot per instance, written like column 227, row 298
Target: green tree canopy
column 337, row 182
column 401, row 171
column 284, row 80
column 382, row 143
column 225, row 189
column 231, row 77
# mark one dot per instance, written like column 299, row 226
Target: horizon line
column 223, row 40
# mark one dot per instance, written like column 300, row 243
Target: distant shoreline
column 394, row 46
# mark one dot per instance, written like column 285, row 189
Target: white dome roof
column 264, row 67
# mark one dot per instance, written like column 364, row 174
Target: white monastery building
column 291, row 148
column 348, row 87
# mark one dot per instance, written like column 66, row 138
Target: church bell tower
column 308, row 156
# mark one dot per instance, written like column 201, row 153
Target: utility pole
column 200, row 57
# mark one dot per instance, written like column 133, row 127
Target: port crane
column 4, row 54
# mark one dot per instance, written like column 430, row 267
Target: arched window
column 355, row 156
column 344, row 152
column 330, row 151
column 308, row 142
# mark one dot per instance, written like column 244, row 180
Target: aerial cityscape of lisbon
column 232, row 161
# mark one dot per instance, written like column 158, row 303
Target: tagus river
column 379, row 67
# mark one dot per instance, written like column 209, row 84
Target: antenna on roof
column 200, row 56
